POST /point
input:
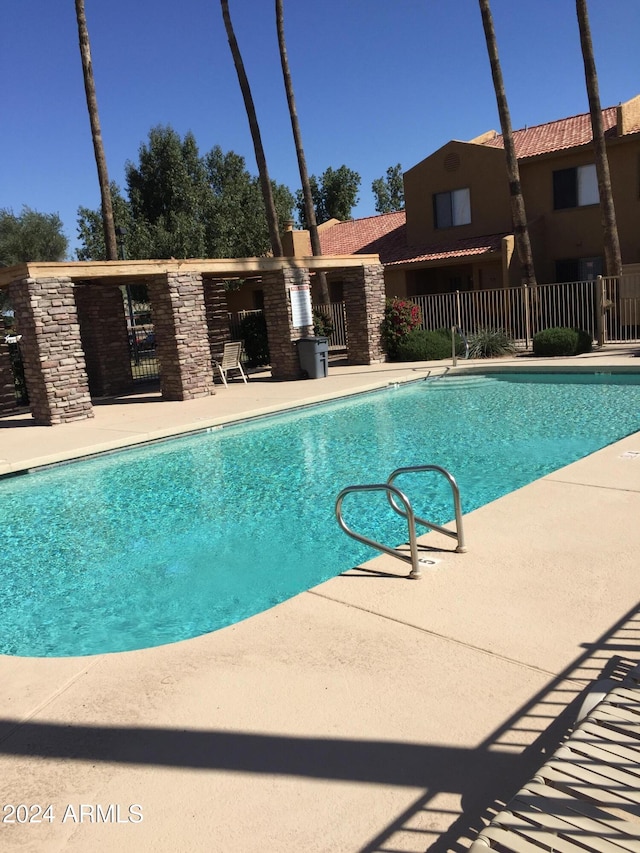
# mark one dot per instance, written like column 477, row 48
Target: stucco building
column 455, row 232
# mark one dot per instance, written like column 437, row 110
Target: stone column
column 215, row 303
column 103, row 329
column 7, row 387
column 182, row 345
column 54, row 363
column 281, row 332
column 364, row 297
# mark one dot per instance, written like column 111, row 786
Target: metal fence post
column 527, row 317
column 600, row 301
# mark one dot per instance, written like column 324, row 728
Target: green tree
column 263, row 172
column 309, row 211
column 31, row 236
column 168, row 191
column 96, row 133
column 181, row 204
column 612, row 255
column 334, row 195
column 518, row 212
column 237, row 225
column 389, row 191
column 91, row 233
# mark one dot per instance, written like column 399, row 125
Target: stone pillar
column 364, row 298
column 54, row 365
column 103, row 329
column 7, row 387
column 281, row 332
column 182, row 345
column 215, row 303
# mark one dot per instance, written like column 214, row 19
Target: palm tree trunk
column 111, row 247
column 612, row 256
column 309, row 209
column 265, row 182
column 518, row 213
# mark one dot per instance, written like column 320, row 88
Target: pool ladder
column 393, row 492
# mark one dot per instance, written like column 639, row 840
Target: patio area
column 371, row 713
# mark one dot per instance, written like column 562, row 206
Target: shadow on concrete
column 484, row 777
column 550, row 715
column 411, row 765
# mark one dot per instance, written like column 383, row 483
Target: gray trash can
column 314, row 356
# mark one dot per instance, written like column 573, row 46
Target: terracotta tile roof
column 461, row 248
column 386, row 235
column 556, row 135
column 370, row 235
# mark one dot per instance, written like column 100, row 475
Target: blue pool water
column 176, row 539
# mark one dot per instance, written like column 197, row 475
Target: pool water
column 180, row 538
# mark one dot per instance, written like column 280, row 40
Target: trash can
column 314, row 356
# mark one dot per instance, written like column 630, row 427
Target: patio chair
column 230, row 361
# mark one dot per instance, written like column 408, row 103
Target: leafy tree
column 518, row 212
column 389, row 191
column 265, row 181
column 334, row 195
column 309, row 211
column 91, row 233
column 236, row 226
column 168, row 190
column 31, row 236
column 96, row 133
column 612, row 256
column 181, row 204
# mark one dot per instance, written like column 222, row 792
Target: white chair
column 230, row 360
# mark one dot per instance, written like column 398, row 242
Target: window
column 575, row 187
column 578, row 269
column 452, row 208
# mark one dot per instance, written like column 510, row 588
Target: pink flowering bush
column 401, row 316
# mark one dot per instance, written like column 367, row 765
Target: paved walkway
column 371, row 713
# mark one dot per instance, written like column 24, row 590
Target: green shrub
column 322, row 323
column 420, row 345
column 490, row 343
column 401, row 316
column 253, row 331
column 561, row 340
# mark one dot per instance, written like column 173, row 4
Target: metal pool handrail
column 412, row 557
column 393, row 493
column 454, row 354
column 458, row 533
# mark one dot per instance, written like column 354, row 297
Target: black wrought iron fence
column 17, row 367
column 142, row 337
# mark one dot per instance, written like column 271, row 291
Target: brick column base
column 215, row 304
column 364, row 297
column 103, row 329
column 54, row 365
column 182, row 346
column 282, row 334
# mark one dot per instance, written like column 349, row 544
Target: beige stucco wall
column 455, row 166
column 577, row 232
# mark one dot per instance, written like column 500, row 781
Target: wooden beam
column 115, row 271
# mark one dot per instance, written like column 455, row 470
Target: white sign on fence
column 300, row 295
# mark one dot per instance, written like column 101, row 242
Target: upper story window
column 575, row 187
column 452, row 208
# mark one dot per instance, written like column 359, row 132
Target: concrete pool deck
column 371, row 713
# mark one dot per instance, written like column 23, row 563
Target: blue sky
column 376, row 83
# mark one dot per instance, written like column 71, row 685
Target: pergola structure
column 74, row 340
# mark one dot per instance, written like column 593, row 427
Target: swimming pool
column 176, row 539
